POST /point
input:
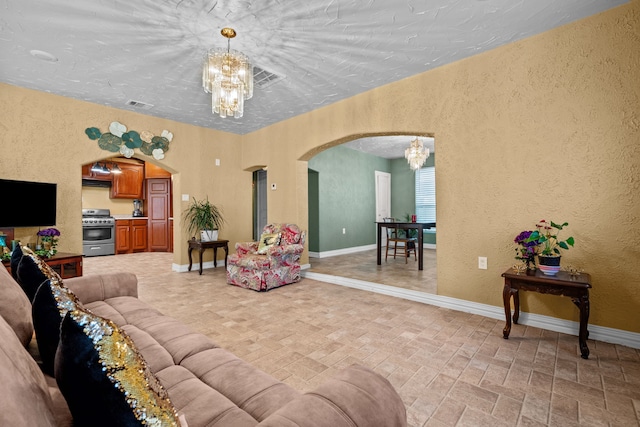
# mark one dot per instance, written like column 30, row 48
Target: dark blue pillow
column 50, row 304
column 29, row 270
column 16, row 256
column 104, row 379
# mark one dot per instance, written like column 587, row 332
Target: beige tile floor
column 392, row 272
column 450, row 368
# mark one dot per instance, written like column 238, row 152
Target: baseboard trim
column 345, row 251
column 355, row 249
column 600, row 333
column 183, row 268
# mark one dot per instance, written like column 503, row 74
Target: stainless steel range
column 98, row 232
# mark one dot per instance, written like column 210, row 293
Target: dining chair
column 408, row 244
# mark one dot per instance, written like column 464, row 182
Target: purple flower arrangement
column 50, row 237
column 49, row 232
column 527, row 247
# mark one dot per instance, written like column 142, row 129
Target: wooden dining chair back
column 403, row 243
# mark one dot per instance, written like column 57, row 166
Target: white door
column 383, row 199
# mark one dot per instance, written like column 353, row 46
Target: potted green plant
column 549, row 245
column 204, row 217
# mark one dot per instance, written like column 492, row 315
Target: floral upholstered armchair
column 271, row 262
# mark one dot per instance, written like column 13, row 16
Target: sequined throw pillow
column 104, row 379
column 268, row 240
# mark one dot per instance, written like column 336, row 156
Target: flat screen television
column 27, row 204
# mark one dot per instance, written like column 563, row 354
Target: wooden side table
column 574, row 287
column 202, row 246
column 65, row 264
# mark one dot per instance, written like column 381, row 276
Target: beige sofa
column 207, row 385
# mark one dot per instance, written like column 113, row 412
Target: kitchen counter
column 129, row 217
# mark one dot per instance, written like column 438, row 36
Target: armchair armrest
column 243, row 248
column 92, row 288
column 356, row 396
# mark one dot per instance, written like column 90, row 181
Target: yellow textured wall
column 543, row 128
column 548, row 127
column 43, row 139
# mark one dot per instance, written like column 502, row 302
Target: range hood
column 96, row 183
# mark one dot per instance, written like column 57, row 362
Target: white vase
column 209, row 235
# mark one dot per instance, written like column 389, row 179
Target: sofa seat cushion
column 200, row 404
column 175, row 337
column 123, row 310
column 15, row 307
column 194, row 370
column 252, row 390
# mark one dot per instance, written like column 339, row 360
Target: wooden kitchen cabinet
column 128, row 184
column 123, row 236
column 152, row 171
column 131, row 236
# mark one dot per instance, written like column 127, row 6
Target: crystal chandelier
column 228, row 76
column 416, row 154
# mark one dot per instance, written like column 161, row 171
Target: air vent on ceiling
column 263, row 78
column 139, row 104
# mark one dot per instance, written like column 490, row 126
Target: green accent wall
column 342, row 195
column 346, row 198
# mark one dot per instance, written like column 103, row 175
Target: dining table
column 420, row 226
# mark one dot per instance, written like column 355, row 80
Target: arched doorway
column 342, row 232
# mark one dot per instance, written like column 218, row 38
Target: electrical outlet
column 217, row 162
column 482, row 262
column 185, row 197
column 344, row 231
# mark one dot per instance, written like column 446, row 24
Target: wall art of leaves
column 123, row 141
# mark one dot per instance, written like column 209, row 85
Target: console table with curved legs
column 575, row 287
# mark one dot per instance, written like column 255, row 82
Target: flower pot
column 549, row 265
column 209, row 235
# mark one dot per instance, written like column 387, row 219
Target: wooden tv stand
column 65, row 264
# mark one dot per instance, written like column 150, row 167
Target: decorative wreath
column 118, row 139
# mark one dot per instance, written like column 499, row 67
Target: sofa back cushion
column 25, row 398
column 15, row 307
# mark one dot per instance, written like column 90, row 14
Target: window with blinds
column 426, row 194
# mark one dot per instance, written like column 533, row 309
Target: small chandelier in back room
column 416, row 154
column 228, row 76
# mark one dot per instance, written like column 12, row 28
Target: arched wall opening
column 342, row 206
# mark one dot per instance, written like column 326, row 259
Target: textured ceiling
column 111, row 52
